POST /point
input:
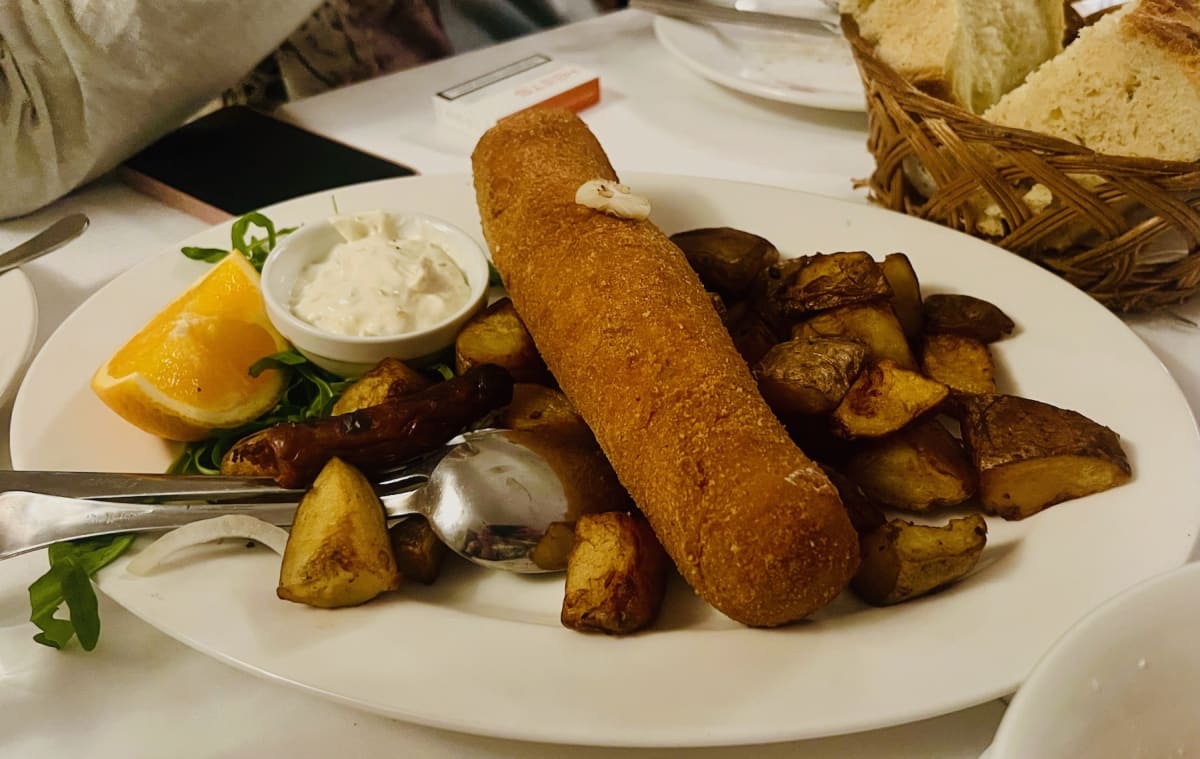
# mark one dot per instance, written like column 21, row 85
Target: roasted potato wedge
column 763, row 296
column 917, row 468
column 719, row 306
column 538, row 407
column 589, row 483
column 616, row 574
column 1031, row 455
column 902, row 560
column 809, row 376
column 815, row 436
column 883, row 399
column 828, row 280
column 906, row 294
column 752, row 335
column 419, row 552
column 728, row 260
column 874, row 324
column 953, row 314
column 498, row 336
column 554, row 548
column 865, row 514
column 390, row 378
column 963, row 364
column 338, row 552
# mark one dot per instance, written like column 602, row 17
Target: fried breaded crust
column 634, row 341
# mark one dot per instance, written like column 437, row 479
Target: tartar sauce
column 377, row 282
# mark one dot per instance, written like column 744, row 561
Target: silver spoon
column 490, row 497
column 49, row 239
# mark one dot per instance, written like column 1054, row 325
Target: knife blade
column 137, row 487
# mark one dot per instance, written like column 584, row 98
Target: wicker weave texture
column 1125, row 230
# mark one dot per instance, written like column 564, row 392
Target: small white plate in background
column 803, row 69
column 1123, row 682
column 18, row 329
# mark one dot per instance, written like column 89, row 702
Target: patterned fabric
column 345, row 41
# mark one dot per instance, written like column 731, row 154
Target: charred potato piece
column 338, row 552
column 823, row 281
column 952, row 314
column 918, row 468
column 865, row 514
column 883, row 399
column 616, row 574
column 1031, row 455
column 590, row 486
column 390, row 378
column 873, row 324
column 719, row 306
column 554, row 547
column 764, row 300
column 589, row 483
column 902, row 560
column 727, row 260
column 419, row 552
column 751, row 334
column 498, row 336
column 537, row 406
column 906, row 293
column 962, row 363
column 815, row 436
column 809, row 376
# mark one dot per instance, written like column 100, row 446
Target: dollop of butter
column 378, row 282
column 613, row 198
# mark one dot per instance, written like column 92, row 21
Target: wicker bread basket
column 1130, row 236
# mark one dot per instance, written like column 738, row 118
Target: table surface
column 141, row 691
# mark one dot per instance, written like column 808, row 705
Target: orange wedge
column 186, row 372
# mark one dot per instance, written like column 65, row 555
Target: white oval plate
column 484, row 652
column 806, row 70
column 18, row 329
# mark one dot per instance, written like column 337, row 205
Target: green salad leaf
column 72, row 565
column 255, row 248
column 445, row 371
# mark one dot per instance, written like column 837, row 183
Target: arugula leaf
column 494, row 279
column 207, row 255
column 445, row 370
column 72, row 566
column 280, row 360
column 255, row 249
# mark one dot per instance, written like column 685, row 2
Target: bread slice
column 1129, row 85
column 969, row 52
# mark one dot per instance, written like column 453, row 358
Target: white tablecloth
column 143, row 694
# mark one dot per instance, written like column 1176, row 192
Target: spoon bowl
column 491, row 496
